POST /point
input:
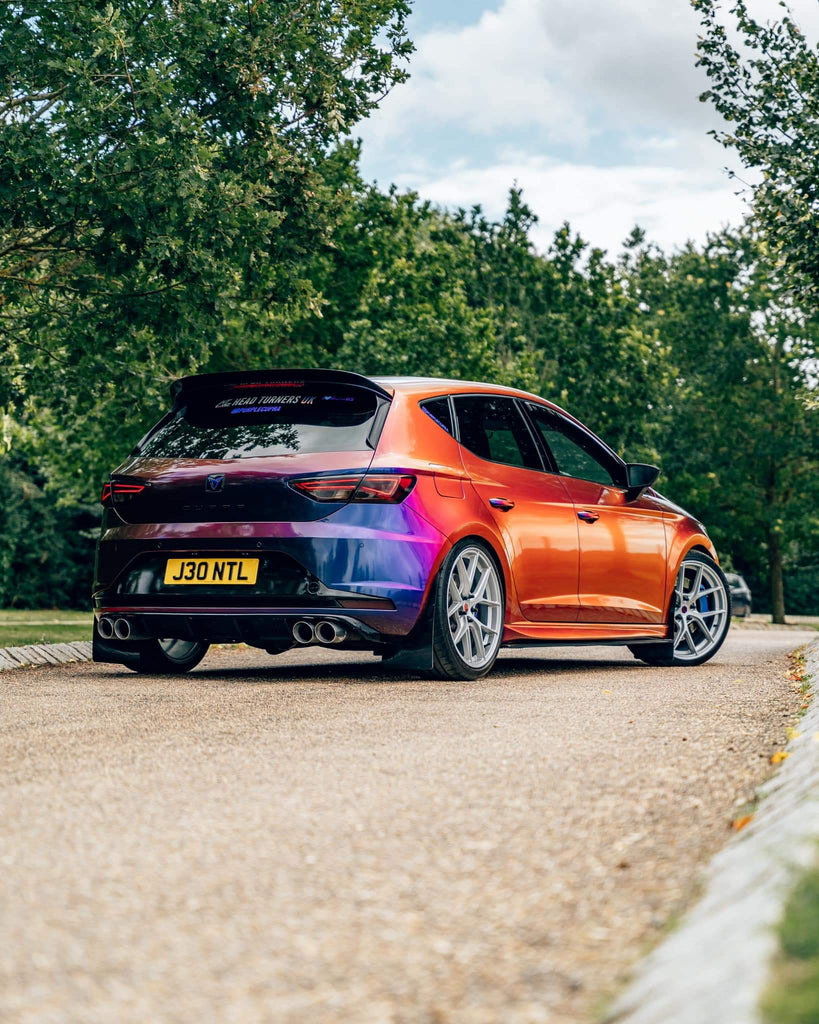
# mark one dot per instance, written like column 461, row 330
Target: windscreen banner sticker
column 274, row 403
column 259, row 402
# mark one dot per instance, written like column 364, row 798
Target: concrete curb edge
column 44, row 654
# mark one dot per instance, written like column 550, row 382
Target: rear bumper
column 372, row 565
column 271, row 632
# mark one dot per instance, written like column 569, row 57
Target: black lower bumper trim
column 267, row 631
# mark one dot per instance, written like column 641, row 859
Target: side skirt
column 583, row 633
column 632, row 641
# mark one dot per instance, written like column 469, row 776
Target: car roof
column 444, row 386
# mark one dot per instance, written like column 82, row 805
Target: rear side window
column 493, row 428
column 251, row 422
column 439, row 410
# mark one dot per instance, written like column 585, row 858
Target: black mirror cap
column 639, row 478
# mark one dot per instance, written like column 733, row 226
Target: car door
column 532, row 508
column 622, row 543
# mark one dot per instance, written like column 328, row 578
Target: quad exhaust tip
column 109, row 628
column 122, row 629
column 303, row 632
column 329, row 633
column 324, row 632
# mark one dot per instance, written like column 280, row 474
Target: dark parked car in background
column 740, row 594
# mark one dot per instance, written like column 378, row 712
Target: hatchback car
column 428, row 521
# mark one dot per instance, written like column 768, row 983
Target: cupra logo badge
column 215, row 482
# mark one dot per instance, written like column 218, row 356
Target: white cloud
column 600, row 99
column 568, row 67
column 601, row 203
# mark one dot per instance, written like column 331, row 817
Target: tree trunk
column 775, row 573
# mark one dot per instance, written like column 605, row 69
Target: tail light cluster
column 110, row 491
column 372, row 488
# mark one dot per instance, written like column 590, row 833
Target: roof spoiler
column 273, row 377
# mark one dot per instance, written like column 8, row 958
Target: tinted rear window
column 244, row 423
column 493, row 428
column 438, row 409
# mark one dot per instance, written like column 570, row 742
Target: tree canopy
column 764, row 81
column 160, row 167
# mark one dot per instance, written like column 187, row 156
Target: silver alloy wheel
column 178, row 650
column 475, row 607
column 701, row 611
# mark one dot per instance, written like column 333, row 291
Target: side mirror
column 639, row 477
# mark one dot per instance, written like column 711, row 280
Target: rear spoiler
column 273, row 377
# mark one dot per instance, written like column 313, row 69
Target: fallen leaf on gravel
column 738, row 824
column 792, row 733
column 607, row 691
column 779, row 756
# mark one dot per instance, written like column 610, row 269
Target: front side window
column 493, row 428
column 248, row 422
column 572, row 451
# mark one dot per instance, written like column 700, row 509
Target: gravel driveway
column 311, row 839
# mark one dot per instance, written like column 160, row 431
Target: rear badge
column 215, row 482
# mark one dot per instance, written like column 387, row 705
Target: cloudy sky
column 590, row 105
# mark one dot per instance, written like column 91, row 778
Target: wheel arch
column 680, row 546
column 478, row 532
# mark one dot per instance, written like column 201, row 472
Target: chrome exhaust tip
column 105, row 628
column 122, row 629
column 329, row 633
column 303, row 632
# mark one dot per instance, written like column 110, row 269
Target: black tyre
column 468, row 612
column 700, row 615
column 169, row 657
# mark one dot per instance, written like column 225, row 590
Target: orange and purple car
column 431, row 522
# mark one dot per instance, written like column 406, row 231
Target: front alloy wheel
column 469, row 611
column 702, row 611
column 701, row 615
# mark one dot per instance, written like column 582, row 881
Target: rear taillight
column 113, row 491
column 373, row 488
column 388, row 487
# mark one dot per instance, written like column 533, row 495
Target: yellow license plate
column 229, row 571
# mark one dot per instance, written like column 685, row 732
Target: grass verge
column 757, row 621
column 792, row 996
column 18, row 628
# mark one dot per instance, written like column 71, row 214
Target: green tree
column 394, row 283
column 765, row 83
column 566, row 318
column 161, row 176
column 740, row 439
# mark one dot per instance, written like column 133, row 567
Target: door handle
column 504, row 504
column 588, row 517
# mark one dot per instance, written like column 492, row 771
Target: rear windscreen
column 249, row 422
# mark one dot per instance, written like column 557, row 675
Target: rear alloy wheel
column 701, row 615
column 469, row 612
column 170, row 657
